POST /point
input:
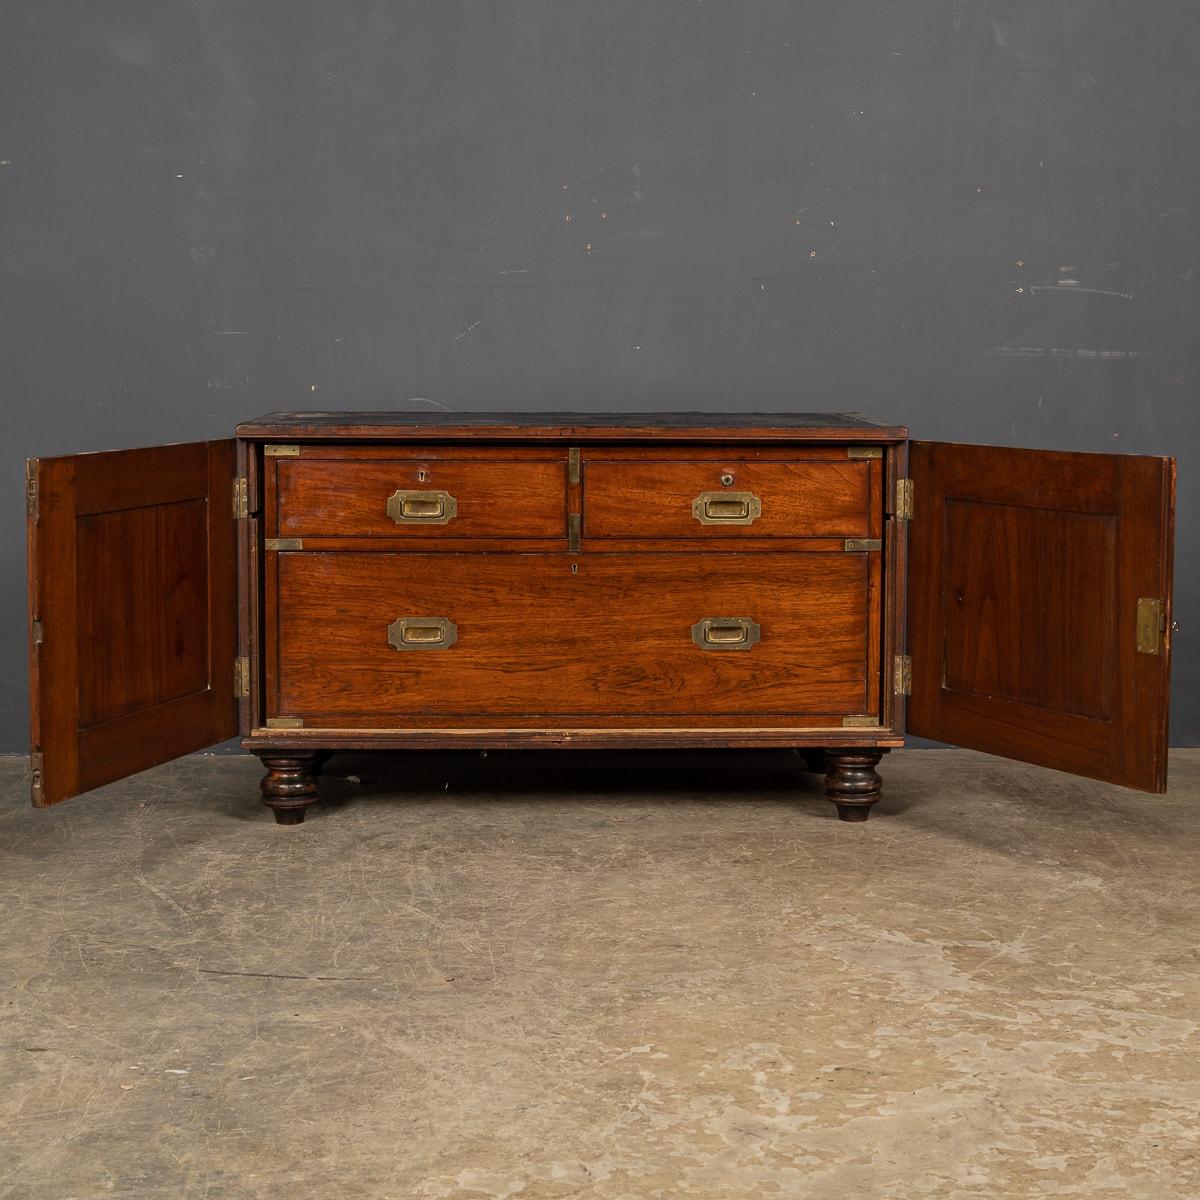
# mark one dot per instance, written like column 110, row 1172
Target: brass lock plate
column 1149, row 625
column 726, row 633
column 422, row 508
column 422, row 633
column 726, row 508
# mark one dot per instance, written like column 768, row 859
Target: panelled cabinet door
column 133, row 612
column 1040, row 607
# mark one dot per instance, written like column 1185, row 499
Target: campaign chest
column 335, row 581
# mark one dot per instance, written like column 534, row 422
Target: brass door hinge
column 241, row 677
column 852, row 544
column 573, row 468
column 35, row 777
column 860, row 722
column 281, row 451
column 902, row 675
column 1151, row 621
column 574, row 523
column 903, row 509
column 283, row 543
column 864, row 451
column 241, row 498
column 36, row 632
column 31, row 487
column 285, row 723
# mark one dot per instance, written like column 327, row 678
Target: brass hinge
column 902, row 675
column 904, row 500
column 860, row 722
column 36, row 633
column 35, row 777
column 574, row 523
column 241, row 498
column 281, row 451
column 285, row 723
column 283, row 543
column 864, row 544
column 864, row 451
column 573, row 468
column 1151, row 621
column 31, row 487
column 241, row 677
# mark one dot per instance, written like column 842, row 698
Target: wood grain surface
column 132, row 579
column 601, row 635
column 653, row 499
column 1025, row 573
column 497, row 497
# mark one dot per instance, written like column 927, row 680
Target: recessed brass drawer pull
column 422, row 508
column 726, row 508
column 422, row 633
column 726, row 633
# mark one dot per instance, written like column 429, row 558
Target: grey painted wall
column 978, row 218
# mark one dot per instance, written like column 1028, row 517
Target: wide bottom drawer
column 410, row 637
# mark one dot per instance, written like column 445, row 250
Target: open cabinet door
column 1039, row 607
column 133, row 611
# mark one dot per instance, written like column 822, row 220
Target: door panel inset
column 1026, row 587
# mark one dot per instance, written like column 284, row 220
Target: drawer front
column 409, row 637
column 727, row 499
column 420, row 497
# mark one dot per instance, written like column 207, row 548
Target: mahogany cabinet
column 335, row 581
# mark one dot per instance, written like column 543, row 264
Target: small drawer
column 420, row 497
column 727, row 498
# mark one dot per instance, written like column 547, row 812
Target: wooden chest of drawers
column 350, row 580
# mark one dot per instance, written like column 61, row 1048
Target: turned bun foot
column 853, row 812
column 290, row 784
column 852, row 782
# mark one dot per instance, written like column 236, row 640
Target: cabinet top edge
column 574, row 426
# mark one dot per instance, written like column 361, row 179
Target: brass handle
column 422, row 508
column 726, row 633
column 726, row 508
column 422, row 633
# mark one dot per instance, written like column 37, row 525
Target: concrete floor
column 579, row 975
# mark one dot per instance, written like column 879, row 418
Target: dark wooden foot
column 852, row 782
column 290, row 784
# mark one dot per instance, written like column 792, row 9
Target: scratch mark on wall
column 1061, row 352
column 460, row 336
column 584, row 178
column 1074, row 287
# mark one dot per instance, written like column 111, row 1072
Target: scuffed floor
column 610, row 976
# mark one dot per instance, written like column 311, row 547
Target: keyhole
column 422, row 475
column 574, row 568
column 960, row 595
column 727, row 478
